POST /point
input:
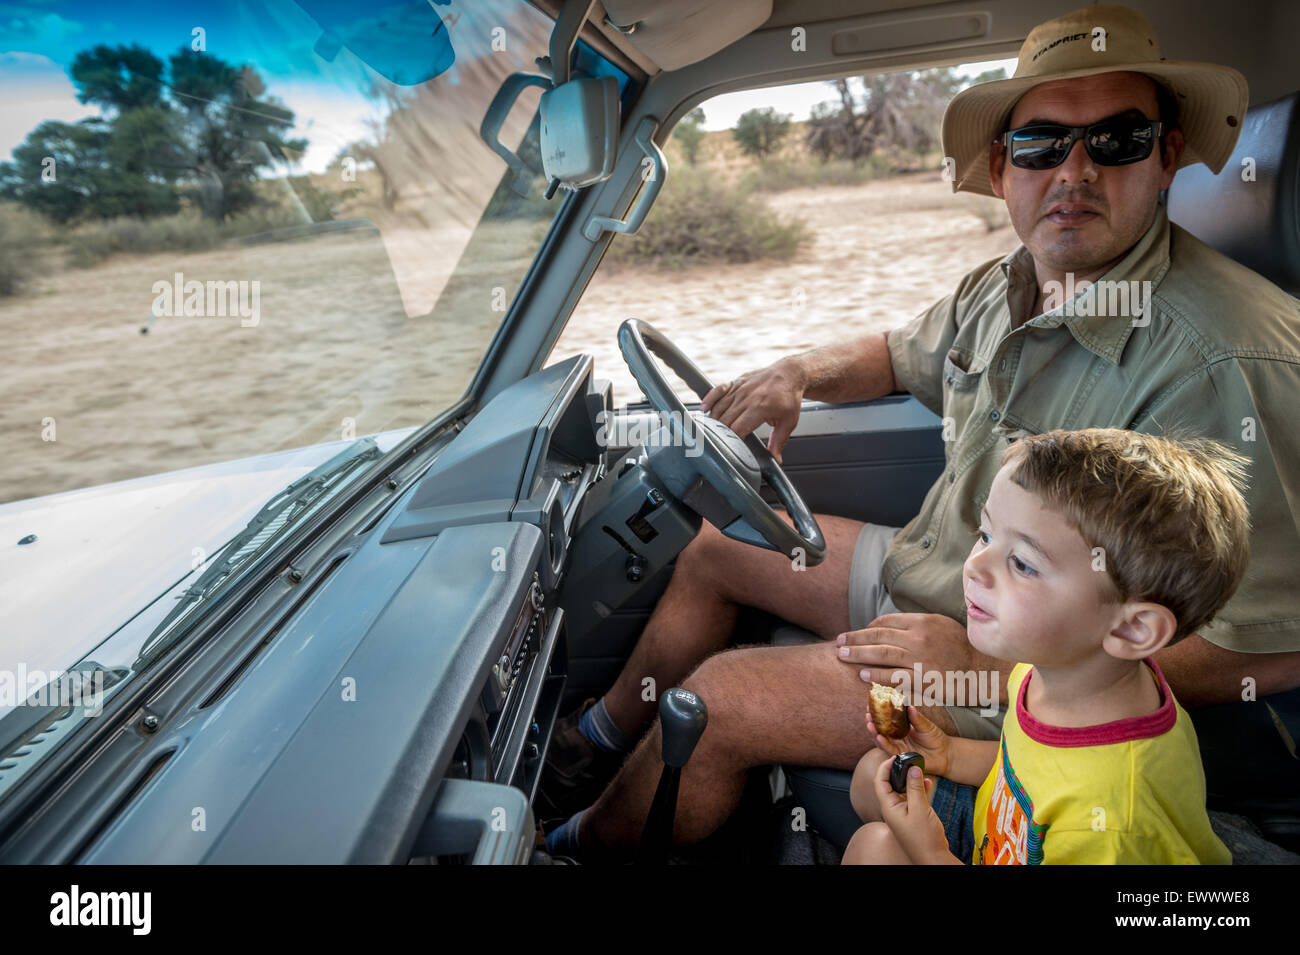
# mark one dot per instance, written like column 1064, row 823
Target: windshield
column 239, row 241
column 227, row 233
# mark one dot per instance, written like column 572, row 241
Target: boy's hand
column 910, row 818
column 924, row 737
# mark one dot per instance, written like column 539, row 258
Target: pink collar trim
column 1103, row 734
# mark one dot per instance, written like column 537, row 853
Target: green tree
column 760, row 131
column 898, row 112
column 988, row 76
column 196, row 126
column 690, row 133
column 118, row 78
column 232, row 130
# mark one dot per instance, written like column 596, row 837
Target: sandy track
column 881, row 253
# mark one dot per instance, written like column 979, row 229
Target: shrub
column 698, row 219
column 94, row 242
column 22, row 233
column 690, row 133
column 760, row 131
column 780, row 174
column 322, row 204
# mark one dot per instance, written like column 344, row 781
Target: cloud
column 47, row 93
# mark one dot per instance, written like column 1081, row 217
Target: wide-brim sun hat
column 1212, row 99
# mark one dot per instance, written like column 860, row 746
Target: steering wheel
column 703, row 447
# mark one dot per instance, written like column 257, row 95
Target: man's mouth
column 1072, row 213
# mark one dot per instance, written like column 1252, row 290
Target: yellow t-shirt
column 1127, row 792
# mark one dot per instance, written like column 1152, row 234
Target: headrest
column 1251, row 210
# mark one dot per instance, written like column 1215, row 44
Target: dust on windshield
column 228, row 228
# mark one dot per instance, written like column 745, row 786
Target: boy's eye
column 981, row 536
column 1022, row 567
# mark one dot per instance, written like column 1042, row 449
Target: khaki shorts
column 868, row 599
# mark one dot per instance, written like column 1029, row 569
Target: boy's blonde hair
column 1167, row 513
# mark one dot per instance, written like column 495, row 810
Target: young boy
column 1096, row 548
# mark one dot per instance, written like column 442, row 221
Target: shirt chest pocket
column 962, row 373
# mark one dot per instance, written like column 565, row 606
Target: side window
column 791, row 218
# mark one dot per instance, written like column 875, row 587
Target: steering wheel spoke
column 736, row 469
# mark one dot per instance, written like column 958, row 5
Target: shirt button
column 951, row 477
column 925, row 543
column 993, row 416
column 1002, row 365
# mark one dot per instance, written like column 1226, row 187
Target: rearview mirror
column 580, row 130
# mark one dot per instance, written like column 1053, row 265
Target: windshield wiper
column 276, row 516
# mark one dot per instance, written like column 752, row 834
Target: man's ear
column 1142, row 629
column 1174, row 146
column 997, row 157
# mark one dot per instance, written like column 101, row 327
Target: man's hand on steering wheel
column 895, row 641
column 771, row 395
column 704, row 451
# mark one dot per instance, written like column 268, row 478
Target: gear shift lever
column 682, row 720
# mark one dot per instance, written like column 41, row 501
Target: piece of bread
column 889, row 711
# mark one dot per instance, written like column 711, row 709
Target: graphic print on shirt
column 1011, row 837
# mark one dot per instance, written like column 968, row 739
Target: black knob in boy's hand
column 898, row 771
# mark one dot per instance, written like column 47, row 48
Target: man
column 1080, row 143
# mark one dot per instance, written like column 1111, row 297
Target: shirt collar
column 1103, row 335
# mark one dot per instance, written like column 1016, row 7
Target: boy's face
column 1031, row 592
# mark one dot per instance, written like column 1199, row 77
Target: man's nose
column 1078, row 165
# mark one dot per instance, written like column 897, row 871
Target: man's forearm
column 857, row 371
column 1200, row 673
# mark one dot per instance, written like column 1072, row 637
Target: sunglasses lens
column 1039, row 147
column 1121, row 141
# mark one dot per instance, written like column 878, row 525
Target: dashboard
column 399, row 709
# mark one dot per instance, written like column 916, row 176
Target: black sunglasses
column 1112, row 142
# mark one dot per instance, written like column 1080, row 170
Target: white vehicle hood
column 103, row 554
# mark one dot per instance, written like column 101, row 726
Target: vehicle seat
column 1256, row 223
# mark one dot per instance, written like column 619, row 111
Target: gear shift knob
column 682, row 719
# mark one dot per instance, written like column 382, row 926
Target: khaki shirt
column 1216, row 352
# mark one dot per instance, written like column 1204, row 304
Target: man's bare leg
column 696, row 615
column 767, row 705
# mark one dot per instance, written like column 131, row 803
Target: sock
column 598, row 727
column 564, row 840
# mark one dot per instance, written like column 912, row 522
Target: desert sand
column 881, row 253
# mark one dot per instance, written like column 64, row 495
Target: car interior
column 501, row 568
